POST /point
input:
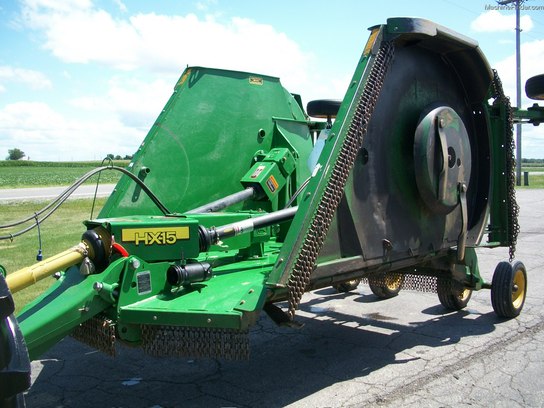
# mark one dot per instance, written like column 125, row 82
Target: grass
column 17, row 174
column 59, row 232
column 32, row 163
column 531, row 169
column 535, row 180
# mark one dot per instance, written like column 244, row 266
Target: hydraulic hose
column 57, row 202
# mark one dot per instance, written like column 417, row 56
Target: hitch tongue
column 30, row 275
column 95, row 244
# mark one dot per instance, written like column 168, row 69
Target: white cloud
column 34, row 79
column 45, row 134
column 159, row 43
column 135, row 102
column 532, row 55
column 495, row 21
column 85, row 35
column 126, row 112
column 205, row 5
column 122, row 7
column 62, row 6
column 151, row 51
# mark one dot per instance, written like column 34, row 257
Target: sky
column 80, row 79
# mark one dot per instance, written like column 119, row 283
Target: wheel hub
column 442, row 158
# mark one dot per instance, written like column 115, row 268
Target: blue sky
column 80, row 79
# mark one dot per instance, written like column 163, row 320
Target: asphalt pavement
column 353, row 350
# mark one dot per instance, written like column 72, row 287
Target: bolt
column 441, row 122
column 135, row 263
column 98, row 286
column 154, row 317
column 209, row 321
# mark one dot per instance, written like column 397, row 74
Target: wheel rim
column 464, row 294
column 518, row 289
column 353, row 282
column 393, row 282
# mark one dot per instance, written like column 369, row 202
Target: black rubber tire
column 388, row 290
column 534, row 87
column 14, row 362
column 453, row 297
column 17, row 401
column 509, row 289
column 347, row 286
column 323, row 108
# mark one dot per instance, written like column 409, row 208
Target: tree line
column 18, row 154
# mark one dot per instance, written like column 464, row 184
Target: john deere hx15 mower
column 237, row 200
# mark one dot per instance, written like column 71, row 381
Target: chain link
column 197, row 342
column 305, row 261
column 513, row 207
column 97, row 332
column 408, row 281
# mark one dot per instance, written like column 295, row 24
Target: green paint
column 220, row 132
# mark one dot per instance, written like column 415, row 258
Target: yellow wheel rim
column 353, row 282
column 464, row 294
column 518, row 289
column 393, row 282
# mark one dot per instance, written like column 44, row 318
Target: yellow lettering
column 151, row 236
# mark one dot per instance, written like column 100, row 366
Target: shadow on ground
column 339, row 342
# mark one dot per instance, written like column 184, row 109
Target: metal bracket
column 443, row 176
column 462, row 238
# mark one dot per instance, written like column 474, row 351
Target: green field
column 59, row 232
column 535, row 181
column 536, row 177
column 24, row 173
